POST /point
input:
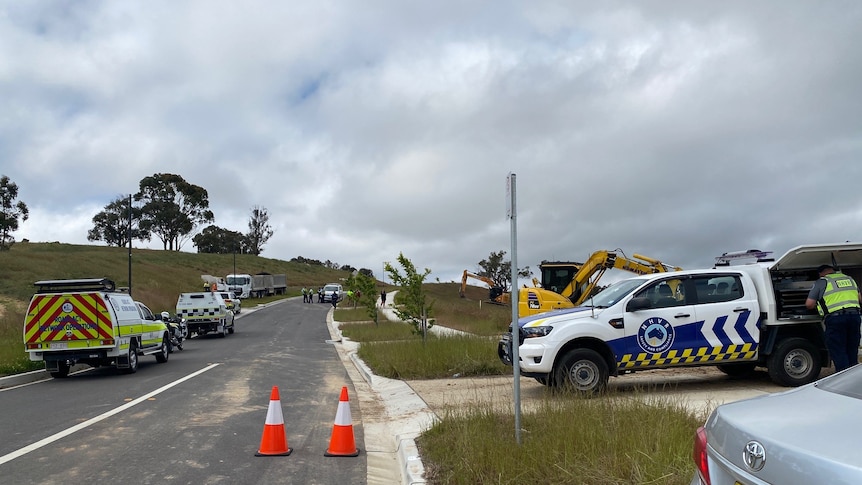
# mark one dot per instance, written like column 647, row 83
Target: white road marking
column 78, row 427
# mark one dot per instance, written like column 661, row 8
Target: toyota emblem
column 754, row 456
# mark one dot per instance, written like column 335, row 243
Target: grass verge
column 569, row 439
column 436, row 358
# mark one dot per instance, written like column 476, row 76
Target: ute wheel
column 737, row 370
column 62, row 370
column 581, row 370
column 133, row 358
column 794, row 362
column 230, row 329
column 162, row 355
column 223, row 332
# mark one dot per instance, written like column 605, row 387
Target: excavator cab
column 556, row 275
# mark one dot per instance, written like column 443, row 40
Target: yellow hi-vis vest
column 841, row 292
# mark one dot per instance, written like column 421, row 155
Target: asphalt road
column 197, row 419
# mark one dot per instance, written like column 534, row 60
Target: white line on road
column 78, row 427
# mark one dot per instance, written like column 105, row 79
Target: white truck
column 88, row 321
column 736, row 317
column 205, row 312
column 239, row 284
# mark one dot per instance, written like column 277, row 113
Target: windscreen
column 614, row 293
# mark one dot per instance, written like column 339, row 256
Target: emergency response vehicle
column 87, row 321
column 733, row 316
column 205, row 312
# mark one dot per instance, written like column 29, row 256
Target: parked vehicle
column 89, row 321
column 807, row 435
column 331, row 289
column 239, row 285
column 205, row 312
column 232, row 302
column 178, row 328
column 735, row 317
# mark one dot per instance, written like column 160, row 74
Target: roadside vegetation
column 566, row 439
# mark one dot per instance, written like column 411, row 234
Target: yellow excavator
column 496, row 294
column 567, row 284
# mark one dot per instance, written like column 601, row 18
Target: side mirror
column 638, row 303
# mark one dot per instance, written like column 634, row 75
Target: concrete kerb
column 407, row 413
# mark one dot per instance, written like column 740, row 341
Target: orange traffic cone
column 274, row 440
column 342, row 442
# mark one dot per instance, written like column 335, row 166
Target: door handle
column 740, row 310
column 682, row 315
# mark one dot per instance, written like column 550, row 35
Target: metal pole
column 513, row 218
column 130, row 243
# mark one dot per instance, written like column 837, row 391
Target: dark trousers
column 842, row 339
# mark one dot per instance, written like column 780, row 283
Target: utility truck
column 205, row 312
column 89, row 321
column 733, row 316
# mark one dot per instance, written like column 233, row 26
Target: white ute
column 205, row 312
column 736, row 317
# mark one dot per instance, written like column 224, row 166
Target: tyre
column 230, row 329
column 62, row 370
column 581, row 370
column 740, row 369
column 223, row 332
column 542, row 380
column 133, row 358
column 794, row 362
column 162, row 355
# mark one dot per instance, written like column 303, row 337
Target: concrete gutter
column 408, row 416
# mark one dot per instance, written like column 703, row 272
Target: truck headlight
column 533, row 332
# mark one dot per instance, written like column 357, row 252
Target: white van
column 330, row 289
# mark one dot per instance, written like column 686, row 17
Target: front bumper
column 536, row 360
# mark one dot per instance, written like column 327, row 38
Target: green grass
column 436, row 358
column 383, row 331
column 568, row 440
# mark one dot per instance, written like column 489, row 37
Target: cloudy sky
column 678, row 130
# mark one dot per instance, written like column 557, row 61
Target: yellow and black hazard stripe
column 734, row 352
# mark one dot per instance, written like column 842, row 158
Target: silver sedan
column 808, row 435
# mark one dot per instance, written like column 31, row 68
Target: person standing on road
column 334, row 299
column 383, row 298
column 836, row 297
column 304, row 295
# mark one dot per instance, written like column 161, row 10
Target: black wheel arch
column 592, row 343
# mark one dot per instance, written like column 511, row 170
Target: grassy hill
column 158, row 277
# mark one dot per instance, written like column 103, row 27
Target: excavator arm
column 586, row 278
column 496, row 294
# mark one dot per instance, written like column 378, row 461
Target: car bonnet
column 807, row 435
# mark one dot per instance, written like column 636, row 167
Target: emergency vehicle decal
column 200, row 313
column 658, row 343
column 67, row 317
column 655, row 335
column 720, row 333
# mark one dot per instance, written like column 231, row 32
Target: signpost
column 512, row 214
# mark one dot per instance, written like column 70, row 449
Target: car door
column 665, row 333
column 727, row 315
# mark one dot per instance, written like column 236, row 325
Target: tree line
column 166, row 206
column 170, row 208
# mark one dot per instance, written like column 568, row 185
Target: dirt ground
column 700, row 389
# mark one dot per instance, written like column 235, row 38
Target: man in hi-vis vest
column 836, row 296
